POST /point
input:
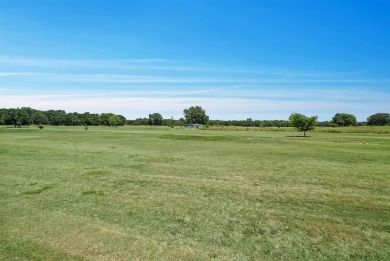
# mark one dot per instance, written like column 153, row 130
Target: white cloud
column 221, row 108
column 158, row 64
column 10, row 74
column 58, row 63
column 134, row 78
column 137, row 87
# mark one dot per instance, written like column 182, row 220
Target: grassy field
column 132, row 193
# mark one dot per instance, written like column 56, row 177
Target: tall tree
column 302, row 122
column 24, row 118
column 39, row 117
column 122, row 120
column 114, row 120
column 155, row 119
column 16, row 117
column 11, row 117
column 56, row 117
column 195, row 114
column 344, row 119
column 379, row 119
column 105, row 119
column 71, row 119
column 89, row 119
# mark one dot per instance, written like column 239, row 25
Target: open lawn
column 146, row 193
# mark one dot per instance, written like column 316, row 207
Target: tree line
column 28, row 116
column 193, row 114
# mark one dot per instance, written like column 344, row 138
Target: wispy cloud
column 215, row 91
column 133, row 107
column 10, row 74
column 129, row 78
column 58, row 63
column 147, row 64
column 157, row 64
column 137, row 87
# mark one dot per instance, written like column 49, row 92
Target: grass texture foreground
column 146, row 193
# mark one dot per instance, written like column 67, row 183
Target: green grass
column 146, row 193
column 350, row 129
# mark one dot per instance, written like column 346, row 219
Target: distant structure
column 194, row 125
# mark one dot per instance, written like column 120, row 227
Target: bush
column 85, row 127
column 40, row 126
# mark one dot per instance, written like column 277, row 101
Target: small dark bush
column 40, row 126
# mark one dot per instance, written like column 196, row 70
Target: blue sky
column 236, row 59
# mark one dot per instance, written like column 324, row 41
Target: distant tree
column 39, row 118
column 2, row 113
column 171, row 123
column 155, row 119
column 122, row 120
column 302, row 122
column 344, row 119
column 181, row 122
column 27, row 116
column 379, row 119
column 56, row 117
column 249, row 122
column 24, row 117
column 327, row 124
column 105, row 119
column 114, row 120
column 29, row 110
column 11, row 117
column 89, row 119
column 139, row 121
column 195, row 114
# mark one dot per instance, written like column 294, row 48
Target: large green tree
column 105, row 118
column 122, row 120
column 89, row 119
column 379, row 119
column 24, row 118
column 114, row 120
column 195, row 114
column 16, row 117
column 39, row 117
column 302, row 122
column 56, row 117
column 155, row 119
column 344, row 119
column 71, row 119
column 11, row 117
